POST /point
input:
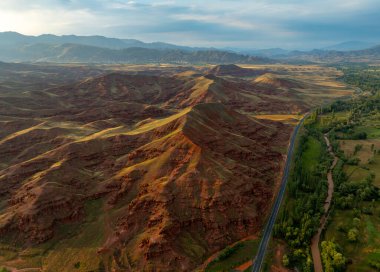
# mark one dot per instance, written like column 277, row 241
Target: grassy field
column 311, row 154
column 369, row 159
column 368, row 246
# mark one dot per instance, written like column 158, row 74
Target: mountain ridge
column 15, row 47
column 91, row 40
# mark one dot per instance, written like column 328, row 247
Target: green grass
column 243, row 253
column 358, row 173
column 373, row 233
column 312, row 154
column 372, row 131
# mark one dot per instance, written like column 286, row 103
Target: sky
column 289, row 24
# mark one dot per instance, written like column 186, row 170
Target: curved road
column 315, row 240
column 258, row 260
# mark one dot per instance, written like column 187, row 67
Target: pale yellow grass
column 287, row 118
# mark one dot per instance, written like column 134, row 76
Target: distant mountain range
column 350, row 46
column 268, row 53
column 12, row 38
column 15, row 47
column 279, row 53
column 371, row 55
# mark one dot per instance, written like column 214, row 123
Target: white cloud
column 212, row 22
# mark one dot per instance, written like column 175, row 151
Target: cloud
column 238, row 23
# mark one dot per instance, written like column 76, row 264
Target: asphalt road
column 259, row 258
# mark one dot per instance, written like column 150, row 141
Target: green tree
column 331, row 258
column 285, row 260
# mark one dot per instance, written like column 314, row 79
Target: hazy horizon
column 195, row 46
column 221, row 24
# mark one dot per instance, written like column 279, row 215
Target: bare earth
column 315, row 240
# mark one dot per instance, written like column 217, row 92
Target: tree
column 358, row 147
column 339, row 261
column 332, row 259
column 285, row 260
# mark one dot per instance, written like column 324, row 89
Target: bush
column 353, row 235
column 353, row 161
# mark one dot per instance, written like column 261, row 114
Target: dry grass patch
column 366, row 151
column 286, row 118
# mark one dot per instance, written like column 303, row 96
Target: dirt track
column 315, row 240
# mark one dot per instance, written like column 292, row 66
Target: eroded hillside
column 144, row 171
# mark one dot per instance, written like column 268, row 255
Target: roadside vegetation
column 306, row 192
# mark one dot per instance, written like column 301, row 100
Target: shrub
column 353, row 161
column 353, row 235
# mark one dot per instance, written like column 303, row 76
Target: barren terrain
column 144, row 167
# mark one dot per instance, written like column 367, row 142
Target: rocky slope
column 176, row 165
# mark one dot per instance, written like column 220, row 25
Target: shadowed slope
column 235, row 70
